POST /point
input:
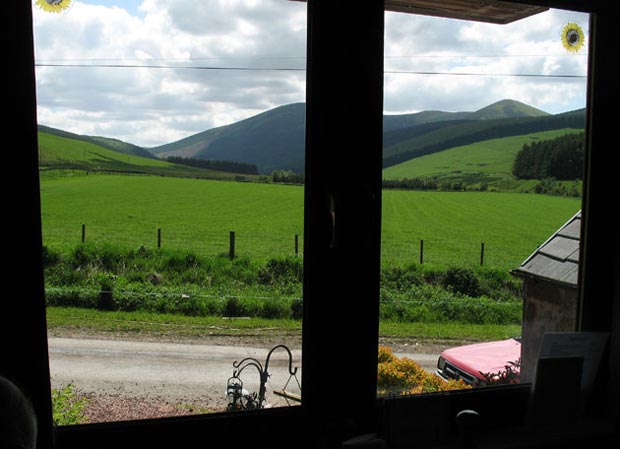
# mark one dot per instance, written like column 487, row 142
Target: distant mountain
column 506, row 109
column 275, row 139
column 501, row 109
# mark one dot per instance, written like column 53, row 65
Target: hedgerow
column 190, row 284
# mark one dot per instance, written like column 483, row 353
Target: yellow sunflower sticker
column 572, row 37
column 55, row 6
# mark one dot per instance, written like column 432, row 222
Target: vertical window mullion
column 343, row 209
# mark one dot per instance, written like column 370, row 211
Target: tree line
column 560, row 158
column 225, row 166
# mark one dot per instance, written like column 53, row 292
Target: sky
column 150, row 72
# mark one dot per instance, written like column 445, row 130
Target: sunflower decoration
column 572, row 37
column 55, row 6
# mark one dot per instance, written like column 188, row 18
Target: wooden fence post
column 158, row 238
column 296, row 244
column 481, row 253
column 231, row 246
column 421, row 252
column 83, row 233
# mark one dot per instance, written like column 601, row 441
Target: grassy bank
column 156, row 325
column 171, row 282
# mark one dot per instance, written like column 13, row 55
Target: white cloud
column 487, row 53
column 136, row 104
column 153, row 106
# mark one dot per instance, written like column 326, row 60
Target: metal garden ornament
column 240, row 399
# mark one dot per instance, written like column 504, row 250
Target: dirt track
column 145, row 379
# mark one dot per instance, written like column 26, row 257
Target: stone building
column 550, row 293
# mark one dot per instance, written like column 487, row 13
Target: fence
column 248, row 243
column 232, row 243
column 441, row 252
column 422, row 252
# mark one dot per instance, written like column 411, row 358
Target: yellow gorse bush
column 403, row 376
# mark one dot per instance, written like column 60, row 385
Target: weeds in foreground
column 67, row 406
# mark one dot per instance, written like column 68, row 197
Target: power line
column 298, row 69
column 285, row 58
column 149, row 66
column 499, row 56
column 517, row 75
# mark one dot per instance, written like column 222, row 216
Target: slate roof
column 556, row 260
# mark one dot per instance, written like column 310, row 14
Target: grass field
column 488, row 160
column 194, row 215
column 454, row 224
column 197, row 215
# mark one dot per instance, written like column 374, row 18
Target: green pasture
column 198, row 215
column 453, row 225
column 193, row 215
column 487, row 160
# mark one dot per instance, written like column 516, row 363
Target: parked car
column 471, row 362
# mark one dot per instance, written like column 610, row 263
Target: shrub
column 71, row 297
column 509, row 375
column 179, row 262
column 281, row 271
column 462, row 280
column 401, row 278
column 49, row 257
column 297, row 309
column 274, row 308
column 233, row 307
column 402, row 376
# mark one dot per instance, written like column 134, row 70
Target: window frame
column 336, row 410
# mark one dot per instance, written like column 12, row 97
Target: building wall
column 547, row 307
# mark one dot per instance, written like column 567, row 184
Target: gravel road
column 132, row 379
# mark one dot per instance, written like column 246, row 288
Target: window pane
column 483, row 161
column 171, row 147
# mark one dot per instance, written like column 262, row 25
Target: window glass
column 483, row 160
column 171, row 149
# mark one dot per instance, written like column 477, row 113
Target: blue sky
column 131, row 6
column 105, row 88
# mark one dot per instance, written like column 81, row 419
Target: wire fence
column 263, row 245
column 233, row 243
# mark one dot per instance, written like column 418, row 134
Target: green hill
column 58, row 152
column 409, row 143
column 105, row 142
column 275, row 139
column 488, row 161
column 272, row 140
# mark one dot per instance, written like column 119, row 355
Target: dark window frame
column 336, row 410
